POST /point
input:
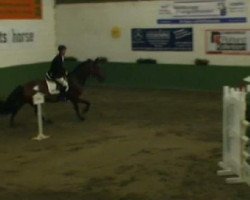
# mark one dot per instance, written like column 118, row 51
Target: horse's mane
column 83, row 65
column 81, row 72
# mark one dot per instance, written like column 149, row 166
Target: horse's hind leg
column 12, row 118
column 13, row 115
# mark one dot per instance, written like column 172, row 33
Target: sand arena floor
column 134, row 145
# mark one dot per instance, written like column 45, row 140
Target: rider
column 58, row 73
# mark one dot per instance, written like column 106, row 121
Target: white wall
column 86, row 30
column 43, row 46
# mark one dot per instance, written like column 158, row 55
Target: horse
column 23, row 94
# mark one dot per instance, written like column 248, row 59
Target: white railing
column 235, row 142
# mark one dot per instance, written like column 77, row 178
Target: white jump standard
column 235, row 154
column 38, row 100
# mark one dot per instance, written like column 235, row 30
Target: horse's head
column 86, row 69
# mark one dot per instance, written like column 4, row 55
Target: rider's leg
column 65, row 87
column 62, row 81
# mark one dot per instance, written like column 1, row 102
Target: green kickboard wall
column 151, row 76
column 187, row 77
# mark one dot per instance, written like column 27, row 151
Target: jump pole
column 38, row 100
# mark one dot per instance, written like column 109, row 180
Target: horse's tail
column 13, row 102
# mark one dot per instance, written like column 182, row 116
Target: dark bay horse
column 23, row 94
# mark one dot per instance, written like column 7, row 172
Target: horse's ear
column 100, row 60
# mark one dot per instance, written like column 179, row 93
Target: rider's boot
column 63, row 95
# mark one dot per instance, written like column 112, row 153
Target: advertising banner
column 202, row 11
column 162, row 39
column 228, row 41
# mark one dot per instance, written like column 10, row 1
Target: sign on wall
column 20, row 9
column 234, row 42
column 17, row 37
column 202, row 12
column 162, row 39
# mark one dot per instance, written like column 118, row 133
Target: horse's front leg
column 87, row 103
column 76, row 107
